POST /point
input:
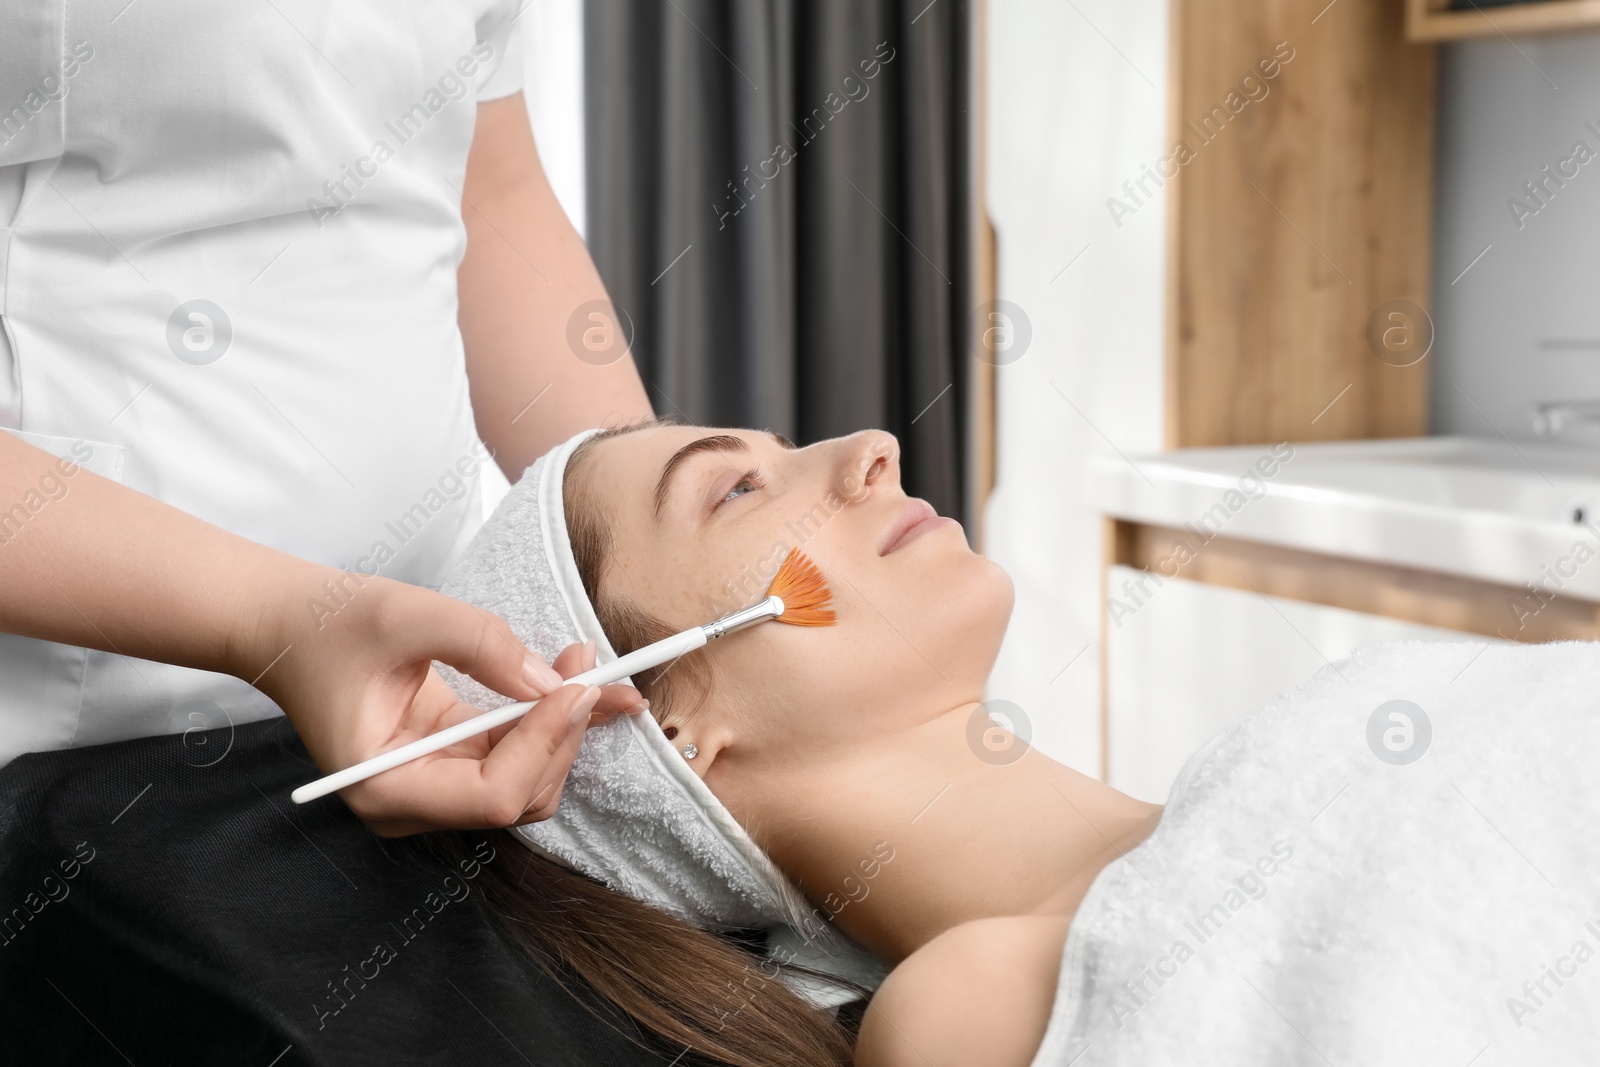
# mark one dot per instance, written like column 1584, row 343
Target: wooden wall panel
column 1295, row 220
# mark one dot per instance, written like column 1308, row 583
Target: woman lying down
column 1396, row 863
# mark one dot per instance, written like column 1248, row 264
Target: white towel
column 1308, row 897
column 633, row 814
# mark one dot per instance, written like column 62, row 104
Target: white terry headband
column 633, row 815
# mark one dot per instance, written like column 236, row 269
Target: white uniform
column 228, row 243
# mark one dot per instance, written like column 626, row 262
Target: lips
column 915, row 513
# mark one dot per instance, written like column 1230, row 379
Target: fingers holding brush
column 480, row 787
column 524, row 772
column 552, row 780
column 547, row 745
column 529, row 758
column 616, row 699
column 508, row 776
column 612, row 701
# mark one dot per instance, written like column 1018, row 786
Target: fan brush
column 798, row 596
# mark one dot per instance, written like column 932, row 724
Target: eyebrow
column 723, row 442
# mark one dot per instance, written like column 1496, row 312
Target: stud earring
column 691, row 750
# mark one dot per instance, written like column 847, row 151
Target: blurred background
column 1242, row 333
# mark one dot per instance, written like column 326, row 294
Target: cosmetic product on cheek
column 799, row 596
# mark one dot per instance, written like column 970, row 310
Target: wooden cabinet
column 1432, row 20
column 1300, row 202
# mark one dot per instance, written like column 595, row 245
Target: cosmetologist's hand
column 356, row 678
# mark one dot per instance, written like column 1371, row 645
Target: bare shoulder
column 980, row 992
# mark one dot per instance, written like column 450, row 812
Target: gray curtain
column 778, row 201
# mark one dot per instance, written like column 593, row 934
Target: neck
column 905, row 837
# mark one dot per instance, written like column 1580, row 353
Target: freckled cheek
column 688, row 582
column 746, row 563
column 668, row 593
column 678, row 585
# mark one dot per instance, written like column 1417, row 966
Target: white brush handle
column 653, row 655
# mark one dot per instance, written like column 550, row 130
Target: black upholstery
column 162, row 901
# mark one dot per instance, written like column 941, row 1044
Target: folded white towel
column 1332, row 884
column 633, row 814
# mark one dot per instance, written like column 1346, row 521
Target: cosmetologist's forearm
column 86, row 561
column 528, row 289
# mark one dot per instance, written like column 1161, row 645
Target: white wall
column 1072, row 115
column 1504, row 113
column 552, row 50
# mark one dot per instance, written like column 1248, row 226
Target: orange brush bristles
column 806, row 599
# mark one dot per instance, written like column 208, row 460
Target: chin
column 1005, row 593
column 980, row 578
column 970, row 604
column 998, row 596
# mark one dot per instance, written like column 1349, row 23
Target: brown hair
column 684, row 986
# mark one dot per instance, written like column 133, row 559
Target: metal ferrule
column 769, row 608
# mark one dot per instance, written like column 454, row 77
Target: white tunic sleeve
column 501, row 28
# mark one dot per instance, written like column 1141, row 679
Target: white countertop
column 1489, row 508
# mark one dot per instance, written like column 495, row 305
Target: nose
column 867, row 459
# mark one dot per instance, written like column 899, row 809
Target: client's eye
column 749, row 482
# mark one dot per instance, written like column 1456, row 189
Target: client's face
column 700, row 520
